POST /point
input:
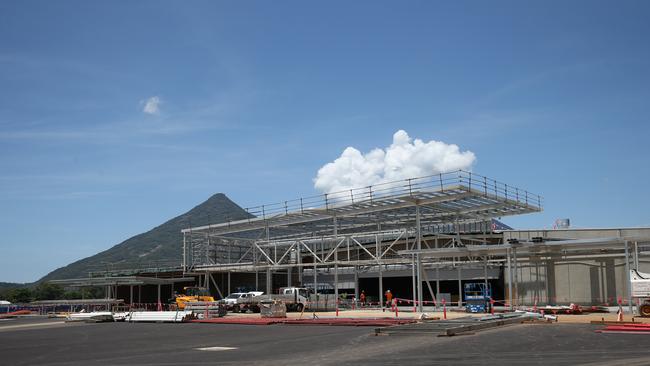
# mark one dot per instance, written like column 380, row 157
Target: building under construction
column 422, row 238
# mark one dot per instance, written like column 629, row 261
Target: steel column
column 628, row 285
column 460, row 286
column 418, row 257
column 336, row 259
column 485, row 275
column 380, row 279
column 356, row 282
column 510, row 278
column 413, row 278
column 516, row 297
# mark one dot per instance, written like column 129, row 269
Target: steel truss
column 372, row 227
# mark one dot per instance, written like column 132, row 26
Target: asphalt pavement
column 43, row 343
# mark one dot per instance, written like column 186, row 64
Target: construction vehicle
column 641, row 291
column 192, row 294
column 477, row 297
column 294, row 298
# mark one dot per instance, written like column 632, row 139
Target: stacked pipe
column 206, row 309
column 159, row 316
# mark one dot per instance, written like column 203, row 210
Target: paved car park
column 51, row 342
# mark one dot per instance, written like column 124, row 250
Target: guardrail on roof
column 399, row 188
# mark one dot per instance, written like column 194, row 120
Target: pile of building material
column 159, row 316
column 120, row 316
column 93, row 316
column 465, row 325
column 273, row 309
column 207, row 309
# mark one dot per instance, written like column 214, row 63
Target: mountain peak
column 161, row 244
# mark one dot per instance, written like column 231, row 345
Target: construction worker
column 362, row 297
column 389, row 298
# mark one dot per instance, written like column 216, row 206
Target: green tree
column 48, row 291
column 21, row 294
column 93, row 292
column 72, row 295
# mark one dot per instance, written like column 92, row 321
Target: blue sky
column 254, row 97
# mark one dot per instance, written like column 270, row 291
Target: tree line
column 48, row 291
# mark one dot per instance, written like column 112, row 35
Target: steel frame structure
column 375, row 226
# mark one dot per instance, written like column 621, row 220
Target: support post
column 418, row 257
column 381, row 279
column 509, row 269
column 336, row 264
column 184, row 251
column 299, row 261
column 288, row 276
column 229, row 284
column 381, row 287
column 485, row 275
column 315, row 280
column 269, row 273
column 460, row 286
column 356, row 282
column 437, row 275
column 627, row 276
column 336, row 277
column 516, row 297
column 413, row 278
column 131, row 295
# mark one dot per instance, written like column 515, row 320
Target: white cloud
column 404, row 158
column 152, row 105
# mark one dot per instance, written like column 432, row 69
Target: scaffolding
column 379, row 227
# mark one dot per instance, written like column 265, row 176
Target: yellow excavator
column 192, row 294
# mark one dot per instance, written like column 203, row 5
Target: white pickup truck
column 233, row 299
column 295, row 299
column 641, row 290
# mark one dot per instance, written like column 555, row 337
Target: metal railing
column 407, row 187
